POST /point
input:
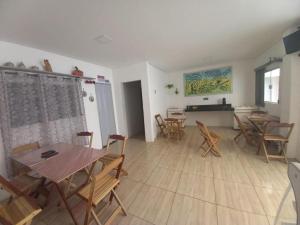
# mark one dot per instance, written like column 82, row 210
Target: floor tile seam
column 234, row 182
column 171, row 208
column 241, row 210
column 197, row 174
column 260, row 201
column 215, row 198
column 193, row 197
column 243, row 184
column 141, row 218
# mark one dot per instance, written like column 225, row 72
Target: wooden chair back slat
column 115, row 164
column 161, row 124
column 203, row 129
column 240, row 124
column 87, row 134
column 159, row 120
column 9, row 187
column 115, row 138
column 270, row 126
column 25, row 148
column 18, row 168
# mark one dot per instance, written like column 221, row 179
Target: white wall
column 126, row 74
column 294, row 104
column 30, row 56
column 134, row 108
column 153, row 82
column 288, row 108
column 277, row 50
column 158, row 94
column 243, row 87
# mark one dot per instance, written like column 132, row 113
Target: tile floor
column 169, row 183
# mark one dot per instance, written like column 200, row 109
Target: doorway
column 134, row 109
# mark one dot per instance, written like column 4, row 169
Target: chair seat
column 102, row 188
column 26, row 183
column 214, row 135
column 109, row 157
column 18, row 211
column 274, row 137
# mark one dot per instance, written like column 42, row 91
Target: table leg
column 62, row 195
column 90, row 172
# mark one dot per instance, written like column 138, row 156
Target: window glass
column 272, row 86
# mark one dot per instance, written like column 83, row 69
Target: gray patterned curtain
column 37, row 107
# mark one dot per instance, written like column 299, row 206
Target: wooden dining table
column 259, row 120
column 69, row 160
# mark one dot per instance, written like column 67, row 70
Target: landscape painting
column 209, row 82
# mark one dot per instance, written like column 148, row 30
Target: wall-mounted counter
column 216, row 107
column 212, row 115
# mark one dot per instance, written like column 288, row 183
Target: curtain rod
column 271, row 61
column 15, row 70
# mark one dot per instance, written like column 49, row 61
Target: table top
column 263, row 118
column 69, row 160
column 176, row 117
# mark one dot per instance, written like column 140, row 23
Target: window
column 271, row 80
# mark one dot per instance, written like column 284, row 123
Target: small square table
column 69, row 160
column 258, row 120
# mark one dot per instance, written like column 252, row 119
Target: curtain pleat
column 260, row 87
column 37, row 107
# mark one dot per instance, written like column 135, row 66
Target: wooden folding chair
column 174, row 128
column 19, row 209
column 161, row 124
column 273, row 133
column 102, row 185
column 89, row 136
column 23, row 180
column 84, row 136
column 180, row 116
column 113, row 139
column 247, row 130
column 211, row 139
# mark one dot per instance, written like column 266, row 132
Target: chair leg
column 95, row 217
column 202, row 145
column 216, row 150
column 265, row 150
column 70, row 184
column 125, row 173
column 248, row 139
column 237, row 136
column 259, row 146
column 204, row 141
column 119, row 202
column 207, row 151
column 283, row 151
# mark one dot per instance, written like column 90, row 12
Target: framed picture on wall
column 208, row 82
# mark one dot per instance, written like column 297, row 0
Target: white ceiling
column 170, row 34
